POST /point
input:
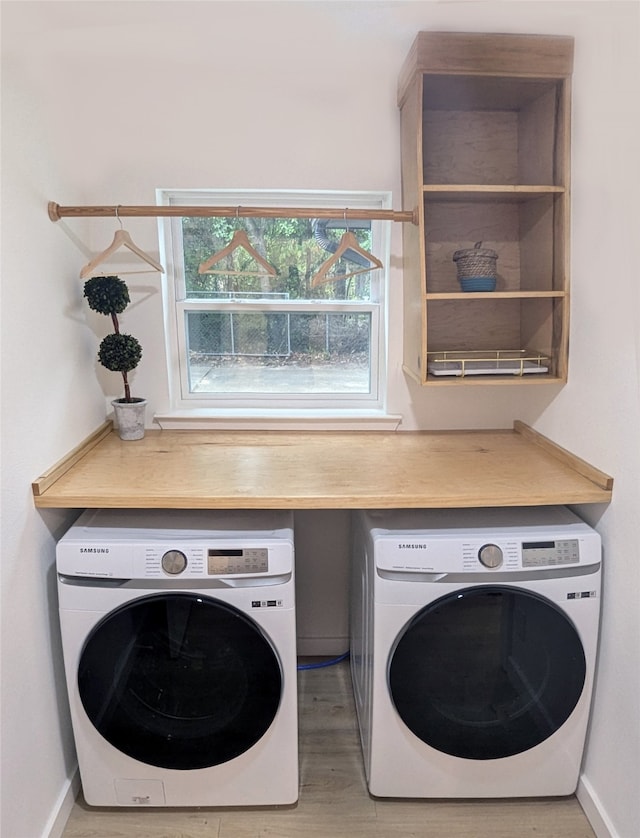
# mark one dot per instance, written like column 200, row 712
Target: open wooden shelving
column 485, row 157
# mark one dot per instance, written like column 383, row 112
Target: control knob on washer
column 490, row 555
column 174, row 562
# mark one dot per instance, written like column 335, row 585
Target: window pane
column 278, row 352
column 250, row 332
column 295, row 247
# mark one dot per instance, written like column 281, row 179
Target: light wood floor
column 333, row 797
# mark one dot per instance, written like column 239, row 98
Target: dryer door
column 179, row 681
column 487, row 672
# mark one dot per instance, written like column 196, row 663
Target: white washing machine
column 179, row 640
column 473, row 648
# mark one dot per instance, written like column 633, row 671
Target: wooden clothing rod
column 56, row 212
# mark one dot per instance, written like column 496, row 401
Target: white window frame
column 175, row 305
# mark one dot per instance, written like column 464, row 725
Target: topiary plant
column 118, row 352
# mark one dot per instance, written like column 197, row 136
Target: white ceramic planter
column 130, row 417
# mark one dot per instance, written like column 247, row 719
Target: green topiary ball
column 107, row 294
column 120, row 353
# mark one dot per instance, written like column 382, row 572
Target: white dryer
column 473, row 647
column 179, row 640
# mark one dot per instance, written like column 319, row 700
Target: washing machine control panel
column 204, row 561
column 174, row 562
column 186, row 559
column 220, row 562
column 225, row 562
column 490, row 555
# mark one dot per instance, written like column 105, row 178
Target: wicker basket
column 475, row 261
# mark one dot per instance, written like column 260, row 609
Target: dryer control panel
column 550, row 553
column 483, row 541
column 455, row 555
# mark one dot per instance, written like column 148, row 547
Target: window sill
column 330, row 420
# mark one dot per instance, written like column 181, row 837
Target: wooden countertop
column 320, row 470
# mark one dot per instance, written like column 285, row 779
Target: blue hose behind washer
column 322, row 664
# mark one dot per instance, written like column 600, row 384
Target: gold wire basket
column 517, row 362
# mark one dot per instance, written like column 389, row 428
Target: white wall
column 50, row 401
column 103, row 102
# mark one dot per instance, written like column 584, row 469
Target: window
column 240, row 337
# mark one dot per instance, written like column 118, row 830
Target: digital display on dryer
column 550, row 553
column 232, row 562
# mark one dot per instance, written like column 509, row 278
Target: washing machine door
column 179, row 681
column 487, row 672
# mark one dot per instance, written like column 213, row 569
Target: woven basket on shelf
column 475, row 261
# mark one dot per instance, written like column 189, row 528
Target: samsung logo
column 412, row 546
column 94, row 549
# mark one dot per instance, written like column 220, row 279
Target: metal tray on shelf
column 494, row 362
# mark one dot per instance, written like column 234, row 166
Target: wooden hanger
column 347, row 242
column 121, row 239
column 240, row 239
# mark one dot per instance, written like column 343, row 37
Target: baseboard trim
column 61, row 811
column 594, row 810
column 322, row 646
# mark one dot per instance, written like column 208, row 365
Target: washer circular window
column 487, row 672
column 179, row 681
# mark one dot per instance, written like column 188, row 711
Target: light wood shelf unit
column 320, row 470
column 485, row 121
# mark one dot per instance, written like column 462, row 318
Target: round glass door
column 179, row 681
column 487, row 672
